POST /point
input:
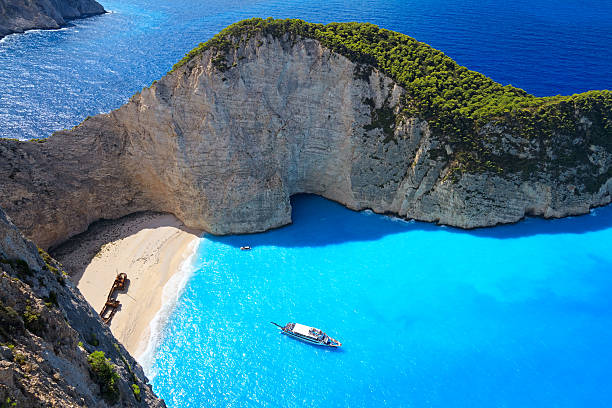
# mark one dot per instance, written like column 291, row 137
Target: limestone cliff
column 16, row 16
column 48, row 332
column 268, row 109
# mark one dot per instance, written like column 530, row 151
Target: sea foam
column 170, row 294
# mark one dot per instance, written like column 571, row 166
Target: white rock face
column 224, row 150
column 239, row 143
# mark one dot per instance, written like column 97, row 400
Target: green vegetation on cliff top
column 455, row 101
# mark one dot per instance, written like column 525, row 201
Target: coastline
column 151, row 248
column 171, row 291
column 65, row 22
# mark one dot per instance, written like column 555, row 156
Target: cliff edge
column 17, row 16
column 363, row 116
column 54, row 349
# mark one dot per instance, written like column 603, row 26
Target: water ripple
column 51, row 80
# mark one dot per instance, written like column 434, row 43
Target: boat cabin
column 309, row 334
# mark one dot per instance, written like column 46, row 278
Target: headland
column 17, row 16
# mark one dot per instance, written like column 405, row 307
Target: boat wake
column 171, row 293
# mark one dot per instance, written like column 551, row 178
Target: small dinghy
column 308, row 334
column 245, row 248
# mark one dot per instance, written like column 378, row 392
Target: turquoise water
column 514, row 316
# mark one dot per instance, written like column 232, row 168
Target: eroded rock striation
column 17, row 16
column 49, row 333
column 363, row 116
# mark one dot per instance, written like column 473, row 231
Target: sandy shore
column 149, row 247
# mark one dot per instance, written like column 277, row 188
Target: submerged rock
column 16, row 16
column 362, row 116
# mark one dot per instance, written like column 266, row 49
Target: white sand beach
column 150, row 249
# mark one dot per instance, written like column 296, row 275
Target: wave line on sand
column 172, row 291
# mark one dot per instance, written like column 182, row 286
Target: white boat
column 308, row 334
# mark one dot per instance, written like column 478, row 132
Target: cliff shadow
column 76, row 253
column 596, row 220
column 319, row 222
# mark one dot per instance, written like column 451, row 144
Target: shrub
column 136, row 391
column 20, row 358
column 8, row 403
column 49, row 262
column 33, row 321
column 105, row 375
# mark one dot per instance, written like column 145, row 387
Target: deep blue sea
column 514, row 316
column 51, row 80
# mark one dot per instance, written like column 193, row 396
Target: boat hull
column 308, row 340
column 308, row 334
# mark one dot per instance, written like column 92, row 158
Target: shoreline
column 151, row 248
column 171, row 292
column 67, row 24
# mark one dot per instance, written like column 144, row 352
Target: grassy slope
column 455, row 101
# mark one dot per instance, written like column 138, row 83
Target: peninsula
column 17, row 16
column 364, row 116
column 367, row 117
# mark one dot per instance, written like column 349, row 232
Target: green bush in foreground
column 136, row 391
column 104, row 374
column 20, row 358
column 33, row 320
column 8, row 403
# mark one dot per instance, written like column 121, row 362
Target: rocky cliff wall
column 16, row 16
column 48, row 331
column 225, row 139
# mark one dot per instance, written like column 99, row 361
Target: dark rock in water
column 16, row 16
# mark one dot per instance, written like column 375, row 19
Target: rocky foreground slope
column 51, row 340
column 16, row 16
column 363, row 116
